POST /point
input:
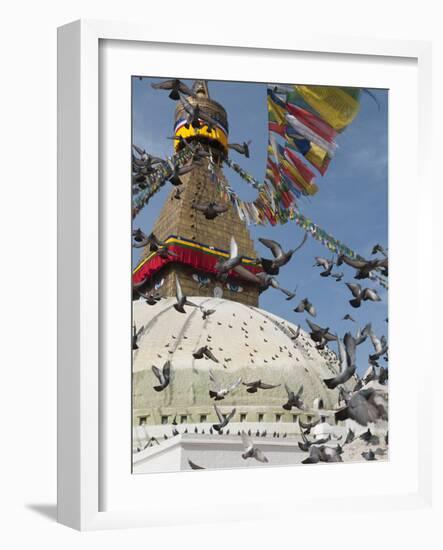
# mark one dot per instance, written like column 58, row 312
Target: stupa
column 198, row 242
column 175, row 425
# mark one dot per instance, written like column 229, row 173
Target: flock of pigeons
column 145, row 165
column 366, row 402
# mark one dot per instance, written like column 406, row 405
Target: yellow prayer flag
column 337, row 107
column 310, row 188
column 277, row 111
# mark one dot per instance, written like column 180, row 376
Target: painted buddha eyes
column 158, row 284
column 234, row 287
column 200, row 278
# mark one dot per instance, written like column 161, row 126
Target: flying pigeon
column 163, row 375
column 307, row 427
column 364, row 406
column 281, row 258
column 223, row 266
column 326, row 264
column 205, row 351
column 364, row 267
column 294, row 399
column 348, row 317
column 380, row 345
column 346, row 354
column 182, row 300
column 220, row 391
column 176, row 86
column 338, row 276
column 319, row 334
column 258, row 385
column 268, row 280
column 223, row 418
column 250, row 450
column 211, row 209
column 306, row 444
column 362, row 294
column 195, row 466
column 306, row 305
column 381, row 249
column 151, row 298
column 159, row 246
column 242, row 149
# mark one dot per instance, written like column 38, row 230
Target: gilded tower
column 198, row 243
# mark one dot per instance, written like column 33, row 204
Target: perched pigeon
column 206, row 312
column 294, row 333
column 350, row 436
column 323, row 453
column 135, row 336
column 368, row 455
column 369, row 438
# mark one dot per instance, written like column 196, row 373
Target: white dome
column 250, row 343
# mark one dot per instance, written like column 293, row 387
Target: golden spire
column 200, row 87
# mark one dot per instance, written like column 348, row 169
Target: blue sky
column 352, row 203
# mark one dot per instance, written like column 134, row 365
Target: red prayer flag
column 313, row 122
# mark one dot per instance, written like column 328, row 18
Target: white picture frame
column 83, row 214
